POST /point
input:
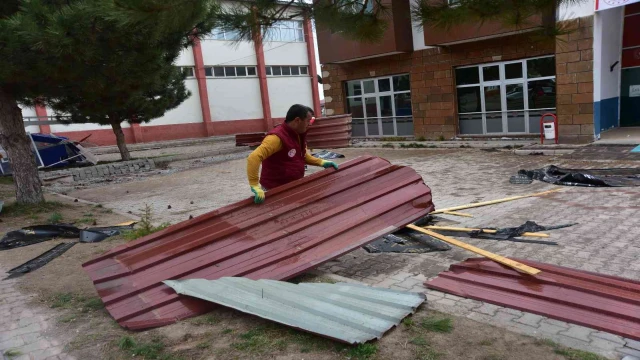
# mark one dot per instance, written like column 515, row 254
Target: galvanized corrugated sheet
column 330, row 132
column 602, row 302
column 345, row 312
column 300, row 226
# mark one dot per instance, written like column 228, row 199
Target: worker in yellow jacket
column 283, row 154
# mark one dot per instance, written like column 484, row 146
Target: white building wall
column 576, row 10
column 607, row 49
column 234, row 99
column 186, row 58
column 288, row 90
column 29, row 112
column 187, row 112
column 221, row 52
column 285, row 53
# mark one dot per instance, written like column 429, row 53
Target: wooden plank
column 457, row 213
column 495, row 257
column 485, row 203
column 488, row 231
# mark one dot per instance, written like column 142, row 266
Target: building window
column 380, row 106
column 230, row 71
column 287, row 70
column 505, row 97
column 286, row 30
column 229, row 35
column 188, row 71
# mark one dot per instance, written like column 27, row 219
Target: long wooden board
column 485, row 203
column 495, row 257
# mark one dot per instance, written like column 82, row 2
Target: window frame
column 377, row 94
column 269, row 70
column 502, row 82
column 297, row 26
column 236, row 76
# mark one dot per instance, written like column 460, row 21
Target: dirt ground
column 88, row 332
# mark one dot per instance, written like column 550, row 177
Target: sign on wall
column 610, row 4
column 634, row 91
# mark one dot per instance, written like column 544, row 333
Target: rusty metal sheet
column 249, row 139
column 602, row 302
column 350, row 313
column 300, row 226
column 330, row 132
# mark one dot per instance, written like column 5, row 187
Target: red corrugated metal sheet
column 330, row 132
column 249, row 139
column 602, row 302
column 300, row 226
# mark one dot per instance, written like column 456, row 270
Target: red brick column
column 202, row 88
column 41, row 113
column 313, row 71
column 262, row 77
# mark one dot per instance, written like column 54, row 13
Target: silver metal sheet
column 345, row 312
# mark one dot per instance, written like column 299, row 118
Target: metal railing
column 45, row 120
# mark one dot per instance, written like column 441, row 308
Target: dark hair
column 296, row 111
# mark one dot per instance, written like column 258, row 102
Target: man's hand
column 259, row 194
column 328, row 164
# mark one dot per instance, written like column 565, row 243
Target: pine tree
column 111, row 61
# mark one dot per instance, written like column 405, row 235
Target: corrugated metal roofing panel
column 602, row 302
column 330, row 132
column 345, row 312
column 300, row 226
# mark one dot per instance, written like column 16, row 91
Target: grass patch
column 17, row 209
column 441, row 325
column 87, row 219
column 257, row 340
column 12, row 353
column 408, row 322
column 487, row 342
column 227, row 331
column 389, row 146
column 308, row 342
column 570, row 354
column 93, row 303
column 427, row 354
column 67, row 318
column 393, row 138
column 55, row 218
column 6, row 180
column 62, row 300
column 146, row 350
column 363, row 351
column 421, row 138
column 203, row 345
column 420, row 341
column 493, row 357
column 441, row 138
column 145, row 227
column 205, row 320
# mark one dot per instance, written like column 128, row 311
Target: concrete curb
column 101, row 150
column 545, row 152
column 507, row 145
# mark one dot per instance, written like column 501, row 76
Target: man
column 283, row 154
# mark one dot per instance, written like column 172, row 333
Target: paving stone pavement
column 604, row 240
column 26, row 329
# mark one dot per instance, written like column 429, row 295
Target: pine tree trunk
column 122, row 145
column 16, row 143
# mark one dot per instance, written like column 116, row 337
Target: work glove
column 328, row 164
column 259, row 194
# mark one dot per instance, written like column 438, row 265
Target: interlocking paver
column 578, row 332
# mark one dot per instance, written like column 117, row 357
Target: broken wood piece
column 495, row 257
column 485, row 203
column 457, row 213
column 488, row 231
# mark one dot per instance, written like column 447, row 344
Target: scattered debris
column 39, row 261
column 520, row 179
column 326, row 154
column 406, row 242
column 169, row 207
column 349, row 313
column 585, row 177
column 602, row 302
column 36, row 234
column 495, row 257
column 190, row 217
column 191, row 202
